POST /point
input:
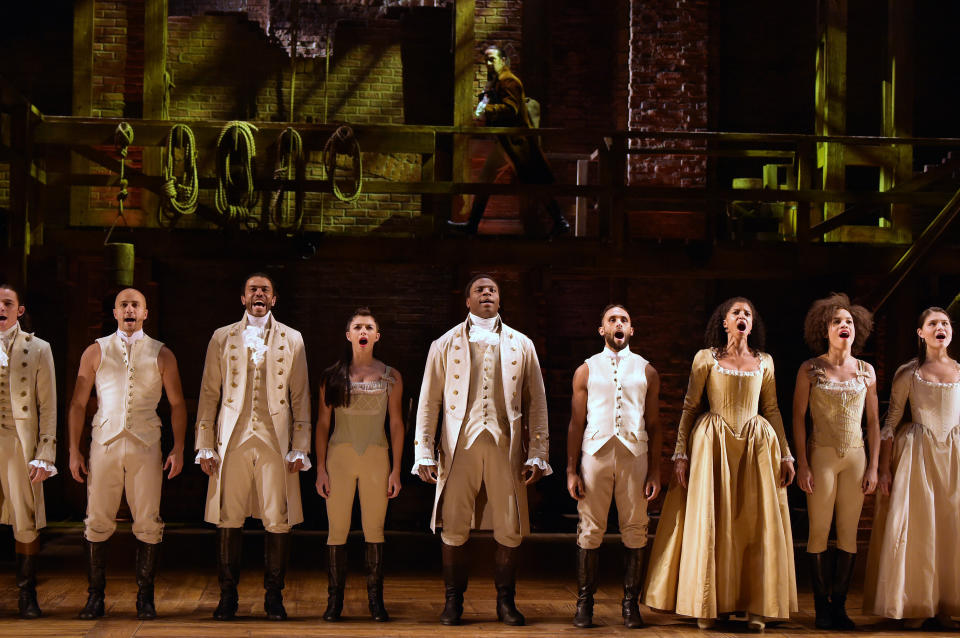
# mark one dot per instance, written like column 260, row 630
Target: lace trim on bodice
column 738, row 373
column 839, row 422
column 934, row 384
column 383, row 384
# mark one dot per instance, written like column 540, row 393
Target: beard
column 611, row 342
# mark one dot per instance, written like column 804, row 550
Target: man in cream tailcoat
column 483, row 380
column 615, row 412
column 28, row 439
column 253, row 436
column 130, row 371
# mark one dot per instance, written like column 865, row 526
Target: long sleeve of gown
column 769, row 408
column 691, row 402
column 899, row 393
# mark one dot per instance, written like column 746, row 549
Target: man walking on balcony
column 504, row 104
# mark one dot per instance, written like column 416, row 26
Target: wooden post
column 19, row 192
column 831, row 97
column 898, row 96
column 82, row 99
column 154, row 67
column 806, row 164
column 464, row 98
column 580, row 219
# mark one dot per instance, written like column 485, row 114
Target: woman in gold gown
column 724, row 542
column 837, row 388
column 913, row 569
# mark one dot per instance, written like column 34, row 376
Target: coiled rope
column 343, row 142
column 289, row 165
column 122, row 139
column 180, row 195
column 236, row 150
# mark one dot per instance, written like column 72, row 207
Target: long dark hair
column 921, row 344
column 335, row 380
column 716, row 337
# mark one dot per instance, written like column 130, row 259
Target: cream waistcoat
column 486, row 410
column 129, row 387
column 616, row 396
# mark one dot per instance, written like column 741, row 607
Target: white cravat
column 253, row 337
column 132, row 339
column 482, row 330
column 6, row 338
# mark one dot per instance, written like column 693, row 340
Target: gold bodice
column 836, row 409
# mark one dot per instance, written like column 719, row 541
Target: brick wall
column 668, row 84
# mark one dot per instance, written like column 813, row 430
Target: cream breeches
column 613, row 472
column 17, row 490
column 254, row 470
column 350, row 473
column 486, row 464
column 124, row 465
column 836, row 487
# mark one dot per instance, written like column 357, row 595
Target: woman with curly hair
column 837, row 388
column 359, row 391
column 913, row 567
column 736, row 553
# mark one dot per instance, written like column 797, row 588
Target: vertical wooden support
column 580, row 218
column 613, row 170
column 82, row 99
column 806, row 167
column 831, row 97
column 154, row 66
column 464, row 72
column 898, row 96
column 20, row 188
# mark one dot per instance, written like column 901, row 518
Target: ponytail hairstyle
column 335, row 380
column 921, row 344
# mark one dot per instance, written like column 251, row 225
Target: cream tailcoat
column 33, row 397
column 445, row 390
column 288, row 398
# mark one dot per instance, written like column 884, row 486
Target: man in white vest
column 131, row 371
column 256, row 374
column 614, row 438
column 483, row 380
column 28, row 439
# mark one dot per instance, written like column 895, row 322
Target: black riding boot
column 820, row 579
column 96, row 579
column 842, row 575
column 505, row 578
column 454, row 582
column 632, row 584
column 588, row 565
column 229, row 545
column 276, row 551
column 27, row 579
column 375, row 582
column 336, row 581
column 476, row 214
column 146, row 572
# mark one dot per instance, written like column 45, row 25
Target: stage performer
column 359, row 391
column 483, row 380
column 913, row 566
column 724, row 542
column 503, row 103
column 614, row 413
column 130, row 371
column 254, row 445
column 28, row 439
column 837, row 388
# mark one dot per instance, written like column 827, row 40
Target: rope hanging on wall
column 236, row 150
column 180, row 195
column 119, row 256
column 122, row 139
column 343, row 142
column 290, row 165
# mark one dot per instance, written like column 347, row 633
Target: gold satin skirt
column 736, row 553
column 913, row 565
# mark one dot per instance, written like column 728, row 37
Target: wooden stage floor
column 187, row 592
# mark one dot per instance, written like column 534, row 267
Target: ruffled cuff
column 886, row 433
column 205, row 453
column 680, row 456
column 788, row 458
column 44, row 465
column 419, row 462
column 296, row 455
column 540, row 463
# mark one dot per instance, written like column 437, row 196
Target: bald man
column 130, row 371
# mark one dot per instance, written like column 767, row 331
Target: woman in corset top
column 836, row 388
column 913, row 568
column 724, row 543
column 359, row 391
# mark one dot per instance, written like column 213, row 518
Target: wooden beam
column 154, row 87
column 464, row 91
column 831, row 96
column 82, row 97
column 898, row 96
